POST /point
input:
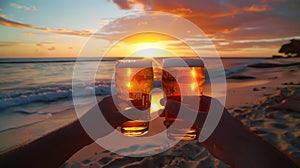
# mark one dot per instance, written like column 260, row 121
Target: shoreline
column 32, row 132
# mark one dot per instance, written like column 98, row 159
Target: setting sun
column 148, row 45
column 148, row 49
column 150, row 52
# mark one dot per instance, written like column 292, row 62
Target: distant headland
column 290, row 50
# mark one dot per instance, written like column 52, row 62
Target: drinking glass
column 182, row 77
column 134, row 82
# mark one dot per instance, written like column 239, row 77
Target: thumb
column 136, row 113
column 172, row 107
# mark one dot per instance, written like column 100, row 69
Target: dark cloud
column 123, row 4
column 10, row 23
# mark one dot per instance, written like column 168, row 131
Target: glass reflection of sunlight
column 156, row 95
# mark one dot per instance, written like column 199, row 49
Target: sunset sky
column 56, row 28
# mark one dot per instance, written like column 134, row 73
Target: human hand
column 117, row 118
column 62, row 143
column 231, row 141
column 224, row 143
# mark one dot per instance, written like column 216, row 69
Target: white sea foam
column 46, row 94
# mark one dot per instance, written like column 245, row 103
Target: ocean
column 36, row 90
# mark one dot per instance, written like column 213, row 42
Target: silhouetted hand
column 53, row 149
column 231, row 141
column 115, row 117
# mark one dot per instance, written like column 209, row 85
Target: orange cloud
column 51, row 48
column 10, row 23
column 39, row 50
column 124, row 4
column 10, row 43
column 182, row 11
column 227, row 31
column 41, row 44
column 212, row 16
column 219, row 18
column 227, row 13
column 245, row 27
column 256, row 8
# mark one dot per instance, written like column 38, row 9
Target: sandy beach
column 250, row 96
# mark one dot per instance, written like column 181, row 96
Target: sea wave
column 52, row 93
column 236, row 70
column 219, row 73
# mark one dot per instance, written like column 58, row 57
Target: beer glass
column 182, row 77
column 134, row 82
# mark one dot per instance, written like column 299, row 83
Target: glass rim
column 133, row 63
